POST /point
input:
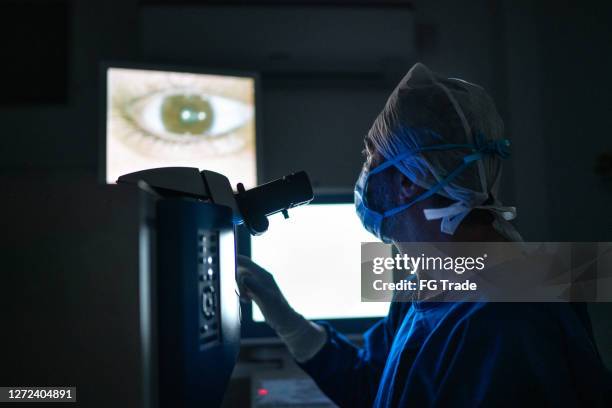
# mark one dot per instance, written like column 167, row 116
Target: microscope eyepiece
column 276, row 196
column 251, row 207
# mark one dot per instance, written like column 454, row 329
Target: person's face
column 380, row 193
column 390, row 189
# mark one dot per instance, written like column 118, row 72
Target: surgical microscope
column 188, row 295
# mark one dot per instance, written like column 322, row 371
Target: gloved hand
column 303, row 338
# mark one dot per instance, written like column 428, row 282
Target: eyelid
column 149, row 105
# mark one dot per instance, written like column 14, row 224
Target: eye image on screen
column 162, row 119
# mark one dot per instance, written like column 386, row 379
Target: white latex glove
column 303, row 338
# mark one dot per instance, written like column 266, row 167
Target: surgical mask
column 372, row 220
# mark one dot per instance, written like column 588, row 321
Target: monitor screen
column 158, row 118
column 315, row 257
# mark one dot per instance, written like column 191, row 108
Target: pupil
column 186, row 114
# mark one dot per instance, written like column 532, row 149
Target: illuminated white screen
column 315, row 257
column 165, row 119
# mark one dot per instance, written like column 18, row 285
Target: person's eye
column 182, row 116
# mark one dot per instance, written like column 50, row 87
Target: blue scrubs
column 465, row 354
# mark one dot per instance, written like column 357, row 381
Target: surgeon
column 432, row 170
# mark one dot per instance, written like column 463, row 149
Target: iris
column 186, row 114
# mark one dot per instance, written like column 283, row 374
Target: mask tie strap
column 467, row 160
column 455, row 213
column 411, row 152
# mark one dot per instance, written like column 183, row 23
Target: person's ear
column 408, row 190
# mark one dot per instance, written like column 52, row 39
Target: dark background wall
column 72, row 309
